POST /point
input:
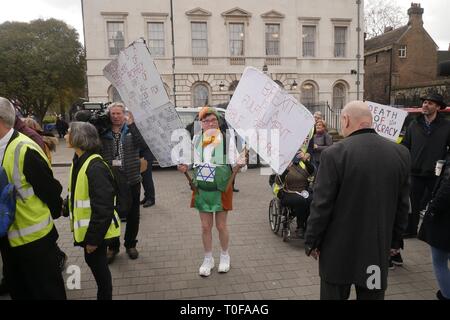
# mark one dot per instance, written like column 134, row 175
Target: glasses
column 209, row 121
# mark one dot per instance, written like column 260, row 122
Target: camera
column 96, row 114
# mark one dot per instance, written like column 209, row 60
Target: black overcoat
column 360, row 207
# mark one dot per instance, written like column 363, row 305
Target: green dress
column 208, row 197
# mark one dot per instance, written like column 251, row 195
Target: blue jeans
column 441, row 270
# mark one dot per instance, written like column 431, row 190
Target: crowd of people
column 349, row 237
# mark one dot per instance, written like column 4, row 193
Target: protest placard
column 272, row 122
column 134, row 75
column 387, row 121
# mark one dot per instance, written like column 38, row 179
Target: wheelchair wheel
column 275, row 215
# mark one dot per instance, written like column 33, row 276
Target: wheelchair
column 280, row 217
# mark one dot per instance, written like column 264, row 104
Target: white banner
column 134, row 75
column 271, row 121
column 387, row 121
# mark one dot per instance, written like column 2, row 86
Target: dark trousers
column 329, row 291
column 132, row 228
column 299, row 206
column 32, row 273
column 421, row 190
column 98, row 263
column 147, row 178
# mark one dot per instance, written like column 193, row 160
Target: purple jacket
column 22, row 128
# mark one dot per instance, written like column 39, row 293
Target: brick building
column 401, row 64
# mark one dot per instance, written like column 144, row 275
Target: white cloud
column 26, row 10
column 435, row 17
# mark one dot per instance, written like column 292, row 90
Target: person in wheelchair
column 293, row 189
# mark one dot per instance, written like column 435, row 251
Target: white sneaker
column 206, row 267
column 224, row 265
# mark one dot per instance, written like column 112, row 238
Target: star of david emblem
column 206, row 173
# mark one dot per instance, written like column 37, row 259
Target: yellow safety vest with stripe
column 80, row 214
column 308, row 138
column 33, row 220
column 277, row 187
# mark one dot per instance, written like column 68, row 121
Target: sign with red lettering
column 387, row 121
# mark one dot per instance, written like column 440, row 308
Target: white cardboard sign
column 387, row 121
column 271, row 121
column 138, row 82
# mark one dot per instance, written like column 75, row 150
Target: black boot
column 3, row 288
column 440, row 296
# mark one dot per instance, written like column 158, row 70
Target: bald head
column 7, row 113
column 355, row 115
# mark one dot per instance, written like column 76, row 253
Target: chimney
column 415, row 15
column 387, row 29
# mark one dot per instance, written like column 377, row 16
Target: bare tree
column 380, row 14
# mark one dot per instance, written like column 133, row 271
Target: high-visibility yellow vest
column 277, row 187
column 308, row 138
column 80, row 214
column 33, row 220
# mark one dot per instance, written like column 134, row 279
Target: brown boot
column 111, row 255
column 132, row 253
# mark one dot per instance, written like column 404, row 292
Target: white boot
column 206, row 267
column 224, row 265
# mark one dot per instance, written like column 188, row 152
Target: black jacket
column 360, row 207
column 132, row 143
column 427, row 147
column 435, row 229
column 101, row 195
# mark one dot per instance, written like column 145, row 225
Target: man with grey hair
column 29, row 250
column 121, row 145
column 359, row 208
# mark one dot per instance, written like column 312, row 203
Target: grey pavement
column 262, row 265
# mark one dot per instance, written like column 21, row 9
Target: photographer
column 120, row 148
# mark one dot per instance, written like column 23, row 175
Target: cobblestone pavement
column 263, row 266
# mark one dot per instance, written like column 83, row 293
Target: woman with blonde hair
column 50, row 141
column 321, row 141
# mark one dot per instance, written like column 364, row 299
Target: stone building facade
column 308, row 48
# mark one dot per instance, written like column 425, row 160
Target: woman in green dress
column 212, row 187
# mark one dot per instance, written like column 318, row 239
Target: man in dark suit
column 359, row 209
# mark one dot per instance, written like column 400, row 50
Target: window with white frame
column 236, row 39
column 308, row 94
column 272, row 39
column 200, row 95
column 402, row 51
column 116, row 39
column 340, row 41
column 338, row 96
column 199, row 39
column 156, row 38
column 309, row 41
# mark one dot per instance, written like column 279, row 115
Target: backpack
column 7, row 203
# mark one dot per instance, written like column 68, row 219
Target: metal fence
column 329, row 114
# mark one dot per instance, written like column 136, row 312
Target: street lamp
column 221, row 86
column 265, row 69
column 294, row 85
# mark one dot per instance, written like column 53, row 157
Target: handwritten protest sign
column 387, row 121
column 272, row 122
column 138, row 82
